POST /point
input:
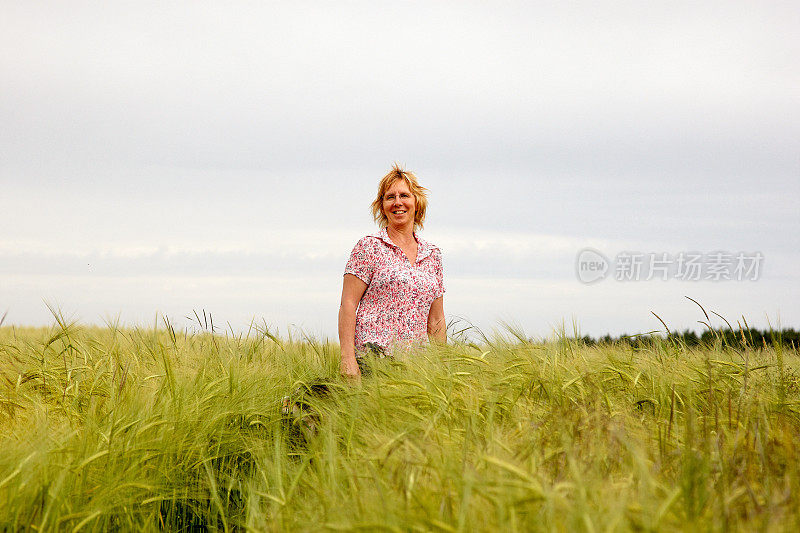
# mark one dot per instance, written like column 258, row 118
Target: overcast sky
column 166, row 157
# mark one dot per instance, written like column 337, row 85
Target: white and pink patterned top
column 393, row 313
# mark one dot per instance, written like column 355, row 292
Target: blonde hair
column 419, row 192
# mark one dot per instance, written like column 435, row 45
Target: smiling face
column 402, row 188
column 399, row 204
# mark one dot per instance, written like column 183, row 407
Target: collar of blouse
column 423, row 249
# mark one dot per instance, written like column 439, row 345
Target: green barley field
column 112, row 429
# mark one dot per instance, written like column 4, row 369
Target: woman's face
column 399, row 205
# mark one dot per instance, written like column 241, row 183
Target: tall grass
column 154, row 429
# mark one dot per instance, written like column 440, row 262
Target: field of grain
column 106, row 429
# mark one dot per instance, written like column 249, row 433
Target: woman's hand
column 349, row 369
column 437, row 327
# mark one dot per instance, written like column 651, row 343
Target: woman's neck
column 401, row 235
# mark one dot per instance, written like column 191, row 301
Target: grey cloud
column 207, row 127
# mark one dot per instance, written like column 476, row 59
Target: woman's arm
column 437, row 328
column 352, row 291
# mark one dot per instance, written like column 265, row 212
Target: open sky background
column 167, row 157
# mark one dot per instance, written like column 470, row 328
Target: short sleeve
column 438, row 272
column 362, row 260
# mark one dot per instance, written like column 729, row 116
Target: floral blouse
column 393, row 313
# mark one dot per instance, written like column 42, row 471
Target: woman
column 392, row 294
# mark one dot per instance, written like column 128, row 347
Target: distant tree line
column 753, row 338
